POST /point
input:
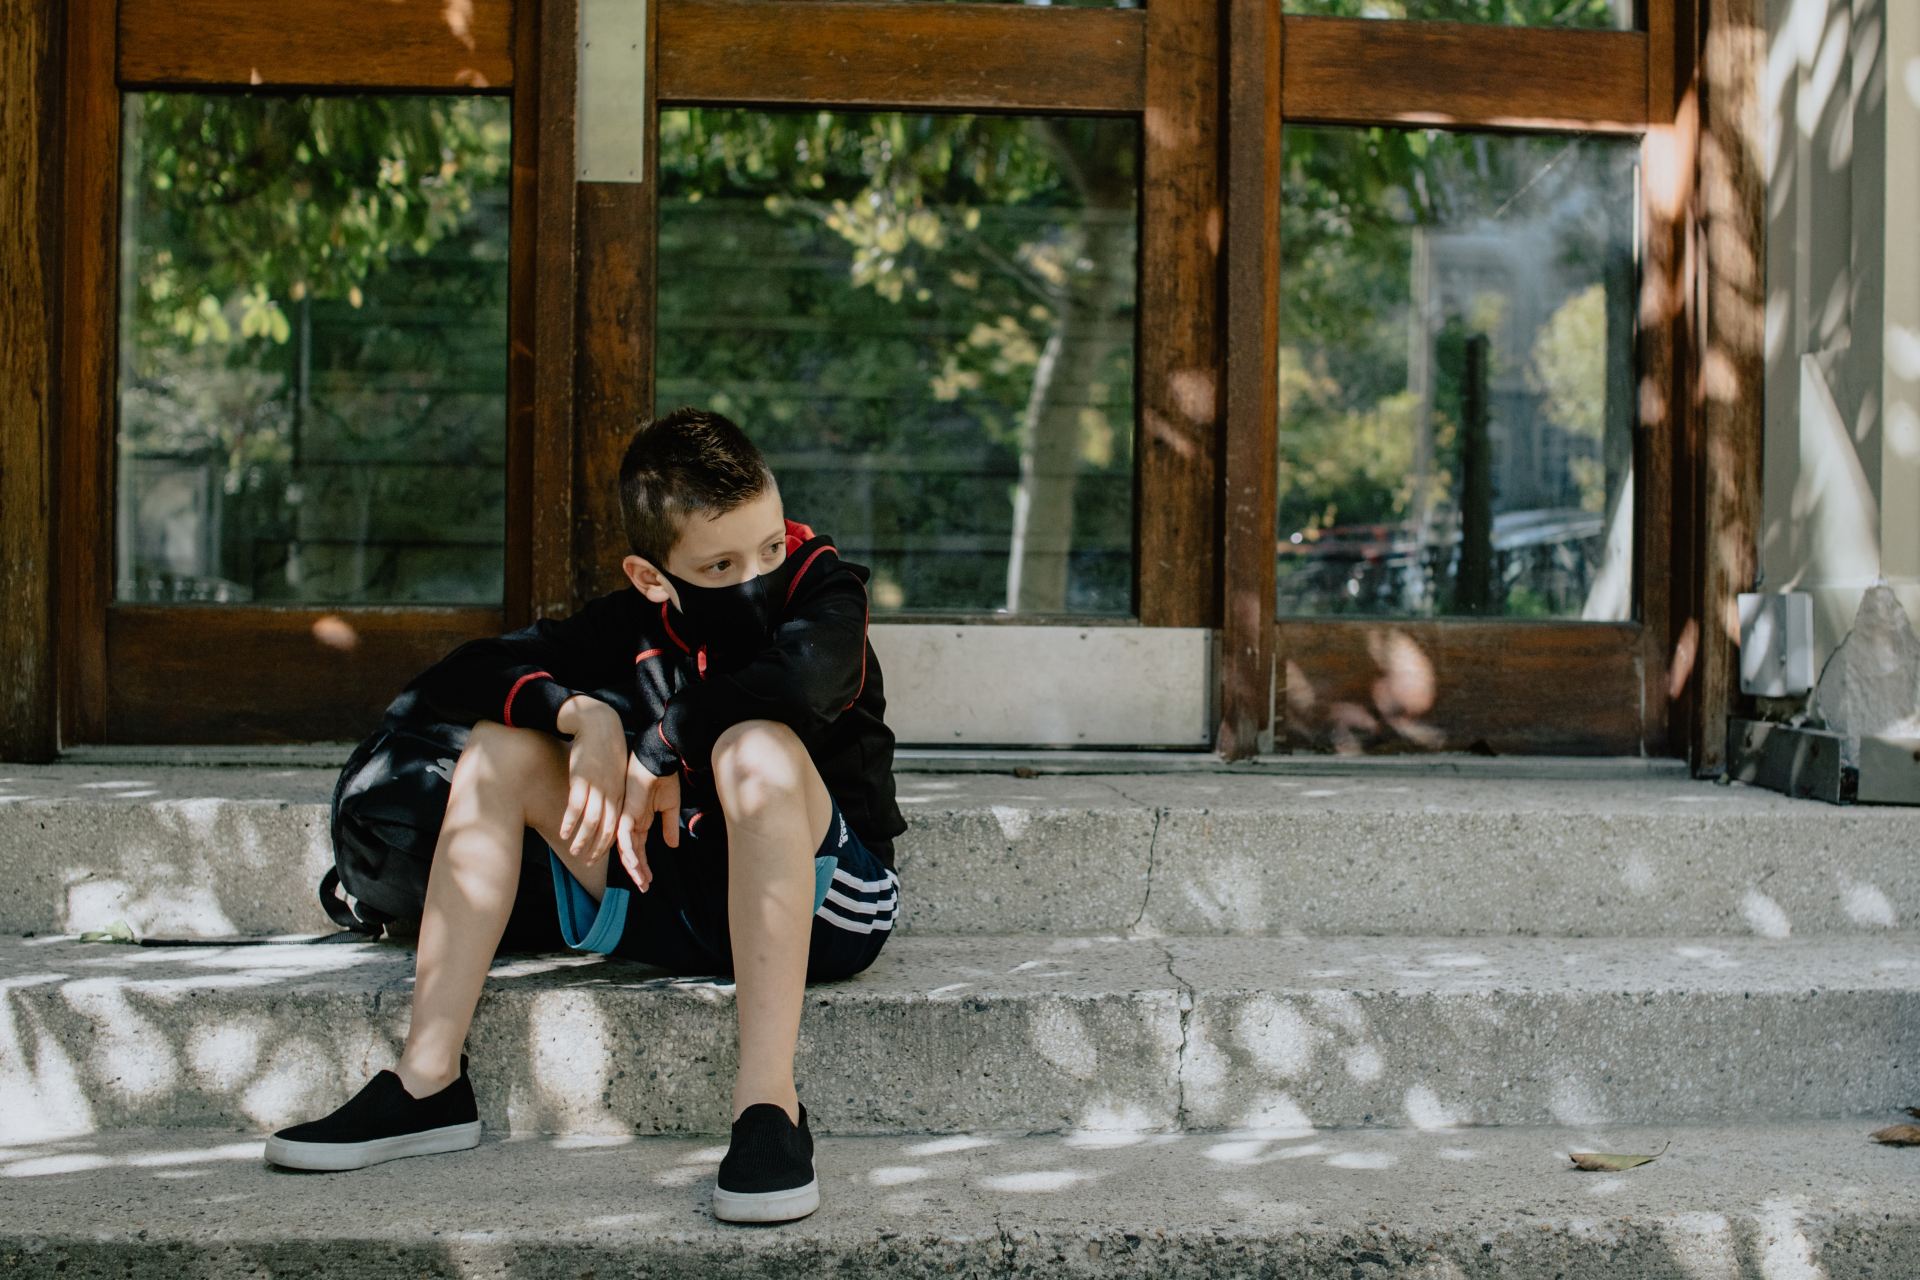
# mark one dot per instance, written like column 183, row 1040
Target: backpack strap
column 358, row 918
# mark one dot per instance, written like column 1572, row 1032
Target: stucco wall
column 1841, row 469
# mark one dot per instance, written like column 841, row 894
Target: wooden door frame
column 1209, row 212
column 1659, row 685
column 284, row 671
column 1158, row 65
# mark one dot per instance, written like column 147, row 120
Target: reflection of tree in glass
column 1397, row 247
column 927, row 321
column 315, row 314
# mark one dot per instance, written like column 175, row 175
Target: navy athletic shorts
column 680, row 923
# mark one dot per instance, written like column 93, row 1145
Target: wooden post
column 1473, row 586
column 1732, row 364
column 1178, row 452
column 551, row 439
column 1249, row 480
column 30, row 76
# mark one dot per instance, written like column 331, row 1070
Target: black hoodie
column 819, row 677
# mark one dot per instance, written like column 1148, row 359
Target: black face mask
column 728, row 626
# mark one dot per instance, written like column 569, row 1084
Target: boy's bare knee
column 758, row 764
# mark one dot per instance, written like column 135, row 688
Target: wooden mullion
column 1177, row 453
column 523, row 313
column 619, row 232
column 323, row 44
column 879, row 54
column 1362, row 71
column 551, row 444
column 30, row 75
column 88, row 360
column 1250, row 477
column 283, row 674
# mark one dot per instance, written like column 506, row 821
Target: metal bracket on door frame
column 611, row 106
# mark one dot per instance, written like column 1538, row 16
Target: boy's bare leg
column 506, row 781
column 777, row 811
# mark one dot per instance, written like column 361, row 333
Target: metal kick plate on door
column 611, row 133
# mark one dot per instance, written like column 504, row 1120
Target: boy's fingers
column 669, row 820
column 589, row 822
column 576, row 801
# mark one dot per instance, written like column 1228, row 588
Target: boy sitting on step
column 731, row 691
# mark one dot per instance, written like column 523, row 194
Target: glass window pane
column 1606, row 15
column 927, row 323
column 313, row 349
column 1456, row 374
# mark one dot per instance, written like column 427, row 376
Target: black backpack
column 387, row 809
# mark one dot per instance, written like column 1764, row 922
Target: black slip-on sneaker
column 767, row 1175
column 382, row 1122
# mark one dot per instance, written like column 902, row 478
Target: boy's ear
column 646, row 579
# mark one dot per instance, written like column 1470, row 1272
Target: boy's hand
column 597, row 776
column 647, row 794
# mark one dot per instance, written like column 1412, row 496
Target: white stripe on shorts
column 883, row 907
column 839, row 921
column 871, row 886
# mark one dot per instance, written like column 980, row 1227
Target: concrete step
column 1020, row 1034
column 208, row 851
column 1772, row 1202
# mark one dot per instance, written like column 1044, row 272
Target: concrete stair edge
column 217, row 852
column 1803, row 1200
column 1020, row 1033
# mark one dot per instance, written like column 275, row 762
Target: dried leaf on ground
column 119, row 931
column 1606, row 1162
column 1899, row 1135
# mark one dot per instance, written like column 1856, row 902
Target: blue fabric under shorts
column 680, row 923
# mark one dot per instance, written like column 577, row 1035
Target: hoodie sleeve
column 815, row 668
column 521, row 679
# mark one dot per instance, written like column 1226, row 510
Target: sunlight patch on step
column 1702, row 1245
column 1038, row 1181
column 572, row 1063
column 1426, row 1112
column 1364, row 1160
column 1058, row 1035
column 1572, row 1102
column 948, row 1146
column 1108, row 1126
column 1865, row 904
column 1712, row 957
column 1764, row 916
column 1280, row 1039
column 897, row 1175
column 45, row 1166
column 42, row 1093
column 1638, row 875
column 131, row 1056
column 1785, row 1252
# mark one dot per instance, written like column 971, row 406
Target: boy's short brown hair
column 688, row 462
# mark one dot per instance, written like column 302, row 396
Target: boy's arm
column 815, row 668
column 523, row 678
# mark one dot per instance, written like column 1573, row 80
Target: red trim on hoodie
column 798, row 535
column 671, row 633
column 506, row 712
column 642, row 656
column 794, row 585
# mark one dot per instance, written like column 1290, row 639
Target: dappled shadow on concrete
column 1795, row 1203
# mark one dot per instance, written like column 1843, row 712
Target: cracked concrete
column 209, row 852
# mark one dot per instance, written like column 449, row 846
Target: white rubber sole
column 766, row 1206
column 335, row 1157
